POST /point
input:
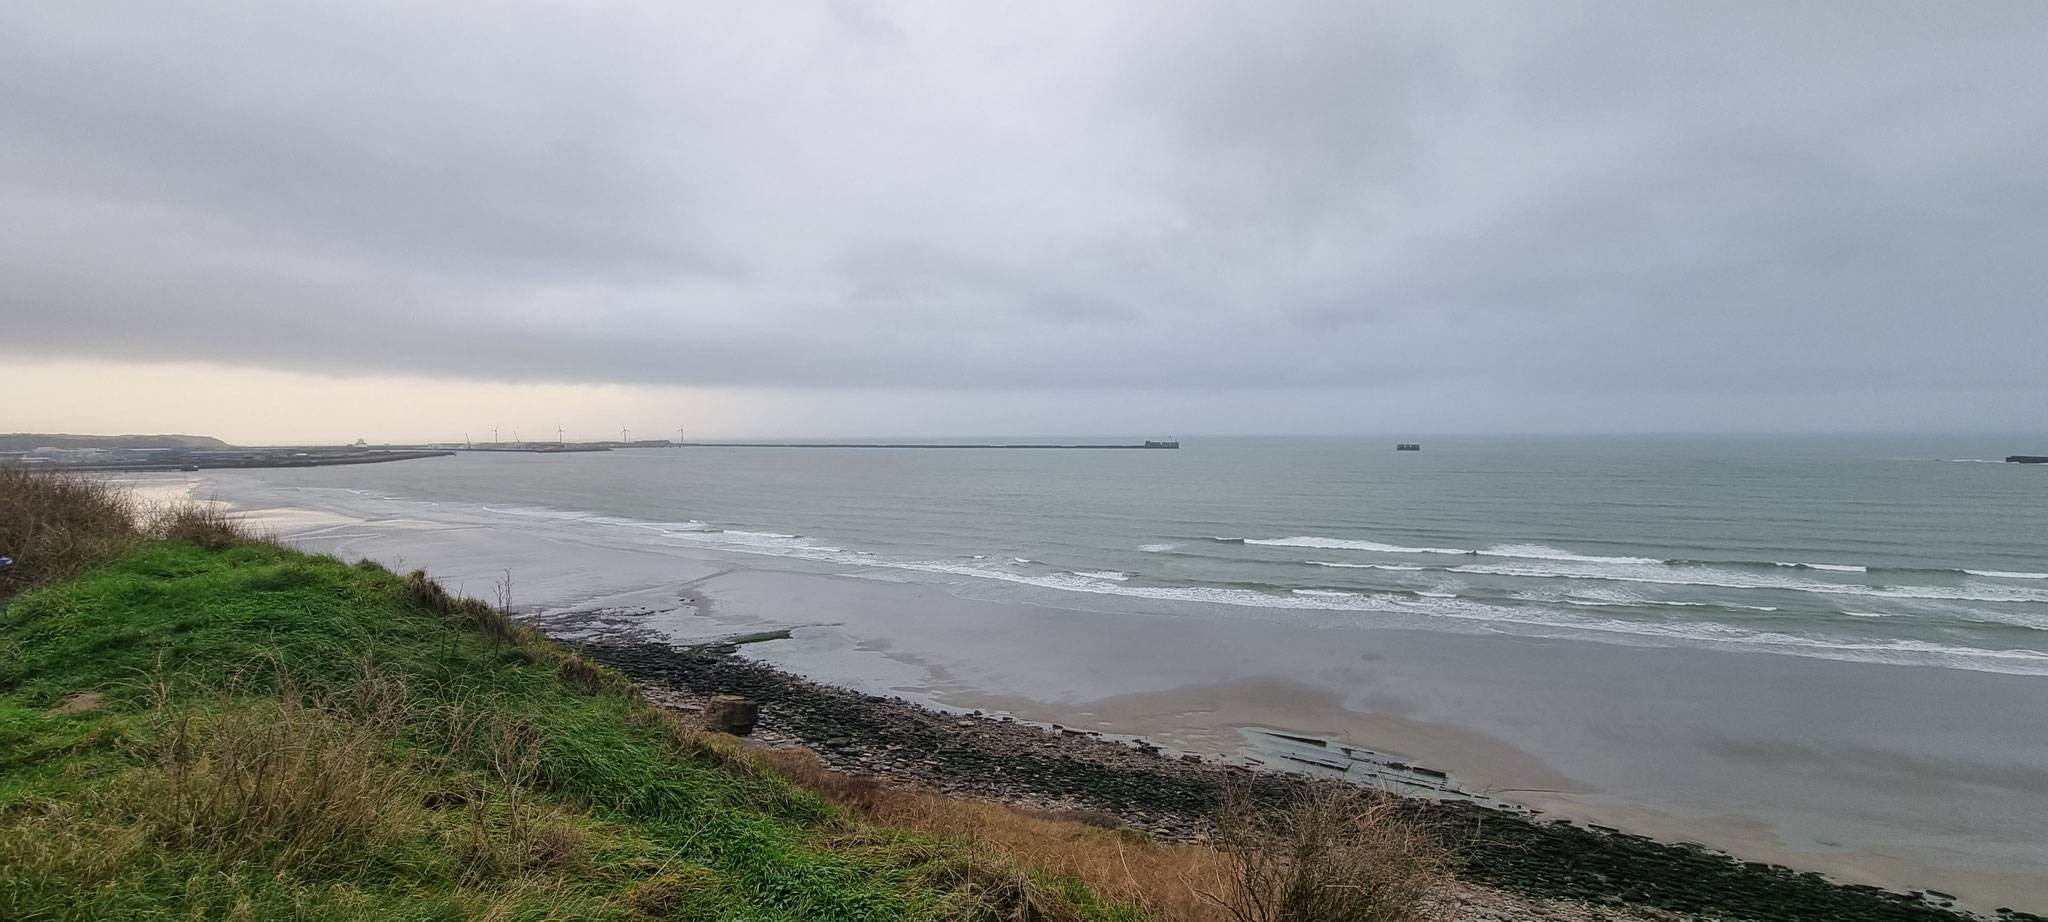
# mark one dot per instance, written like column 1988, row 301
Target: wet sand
column 1902, row 777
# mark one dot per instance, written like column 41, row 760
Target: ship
column 2027, row 459
column 1166, row 443
column 1408, row 446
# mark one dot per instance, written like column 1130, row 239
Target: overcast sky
column 403, row 220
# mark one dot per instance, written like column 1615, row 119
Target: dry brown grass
column 1338, row 854
column 56, row 524
column 1119, row 863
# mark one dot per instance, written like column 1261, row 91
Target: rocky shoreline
column 1172, row 796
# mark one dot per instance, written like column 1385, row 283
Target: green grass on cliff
column 249, row 732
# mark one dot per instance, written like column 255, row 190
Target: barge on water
column 2027, row 459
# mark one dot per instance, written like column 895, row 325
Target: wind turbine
column 558, row 435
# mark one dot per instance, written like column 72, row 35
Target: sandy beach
column 1869, row 773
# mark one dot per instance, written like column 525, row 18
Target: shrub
column 1336, row 854
column 55, row 524
column 208, row 525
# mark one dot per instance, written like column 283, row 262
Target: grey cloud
column 1500, row 199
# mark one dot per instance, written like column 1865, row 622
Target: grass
column 269, row 734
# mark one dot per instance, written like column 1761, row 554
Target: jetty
column 548, row 448
column 1154, row 445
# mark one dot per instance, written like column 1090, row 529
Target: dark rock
column 731, row 714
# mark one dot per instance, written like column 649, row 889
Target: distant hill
column 29, row 441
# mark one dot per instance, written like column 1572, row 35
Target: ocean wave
column 1830, row 567
column 1445, row 608
column 1548, row 553
column 1511, row 551
column 1539, row 562
column 1853, row 568
column 1716, row 577
column 765, row 542
column 1342, row 544
column 2029, row 620
column 1613, row 598
column 1568, row 615
column 1544, row 552
column 1159, row 548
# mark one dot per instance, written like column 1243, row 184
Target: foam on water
column 1541, row 552
column 1341, row 544
column 1688, row 575
column 1434, row 605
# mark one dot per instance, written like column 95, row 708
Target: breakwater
column 1146, row 445
column 546, row 449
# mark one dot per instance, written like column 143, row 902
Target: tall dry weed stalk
column 1337, row 854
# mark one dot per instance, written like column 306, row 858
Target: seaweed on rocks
column 1175, row 798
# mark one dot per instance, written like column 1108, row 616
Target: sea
column 1909, row 550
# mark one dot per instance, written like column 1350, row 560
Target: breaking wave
column 1567, row 593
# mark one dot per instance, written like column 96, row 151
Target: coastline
column 1169, row 796
column 1413, row 693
